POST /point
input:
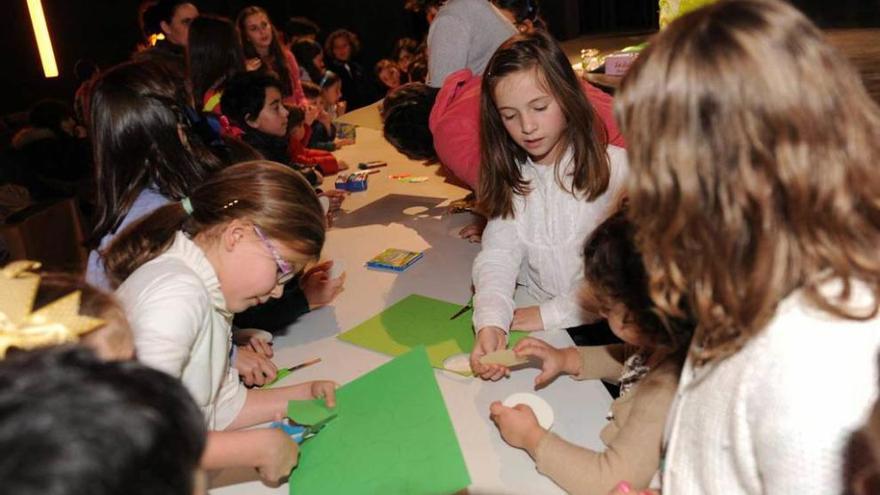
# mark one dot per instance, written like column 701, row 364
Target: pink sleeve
column 458, row 147
column 603, row 103
column 299, row 98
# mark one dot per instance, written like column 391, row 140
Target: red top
column 455, row 123
column 299, row 153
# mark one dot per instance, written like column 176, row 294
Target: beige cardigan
column 633, row 436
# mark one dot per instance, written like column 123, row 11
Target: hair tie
column 187, row 205
column 327, row 74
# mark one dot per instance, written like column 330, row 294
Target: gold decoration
column 56, row 323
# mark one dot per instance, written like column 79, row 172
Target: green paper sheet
column 419, row 320
column 392, row 435
column 309, row 412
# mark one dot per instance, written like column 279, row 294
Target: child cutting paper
column 646, row 366
column 189, row 266
column 548, row 178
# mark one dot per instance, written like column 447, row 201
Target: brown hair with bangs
column 753, row 149
column 274, row 197
column 500, row 176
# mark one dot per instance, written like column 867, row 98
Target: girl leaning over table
column 189, row 266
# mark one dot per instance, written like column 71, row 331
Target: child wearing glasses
column 189, row 266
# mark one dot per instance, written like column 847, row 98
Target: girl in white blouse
column 188, row 266
column 548, row 179
column 755, row 194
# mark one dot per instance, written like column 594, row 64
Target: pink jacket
column 455, row 123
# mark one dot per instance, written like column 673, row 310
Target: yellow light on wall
column 41, row 34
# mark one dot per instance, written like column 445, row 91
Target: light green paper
column 419, row 320
column 309, row 412
column 392, row 435
column 282, row 374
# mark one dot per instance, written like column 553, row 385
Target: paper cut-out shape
column 419, row 320
column 504, row 357
column 392, row 435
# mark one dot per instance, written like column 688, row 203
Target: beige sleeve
column 633, row 455
column 601, row 362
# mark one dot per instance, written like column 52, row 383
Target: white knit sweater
column 181, row 326
column 544, row 245
column 775, row 417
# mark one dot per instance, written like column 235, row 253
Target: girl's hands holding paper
column 324, row 389
column 553, row 361
column 488, row 339
column 518, row 426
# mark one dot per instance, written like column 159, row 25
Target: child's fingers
column 262, row 347
column 532, row 349
column 528, row 341
column 544, row 377
column 496, row 409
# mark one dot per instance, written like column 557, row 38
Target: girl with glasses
column 189, row 266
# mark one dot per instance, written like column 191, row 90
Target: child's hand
column 324, row 389
column 255, row 369
column 473, row 232
column 527, row 319
column 280, row 455
column 518, row 426
column 336, row 196
column 553, row 361
column 319, row 288
column 253, row 64
column 340, row 108
column 340, row 142
column 489, row 339
column 258, row 345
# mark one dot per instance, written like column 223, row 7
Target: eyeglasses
column 285, row 271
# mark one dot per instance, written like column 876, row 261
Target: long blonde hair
column 268, row 194
column 753, row 148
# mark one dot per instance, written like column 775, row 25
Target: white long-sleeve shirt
column 182, row 327
column 775, row 417
column 542, row 245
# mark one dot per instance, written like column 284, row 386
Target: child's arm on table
column 582, row 363
column 270, row 451
column 268, row 404
column 633, row 454
column 494, row 275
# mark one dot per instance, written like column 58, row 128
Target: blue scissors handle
column 296, row 432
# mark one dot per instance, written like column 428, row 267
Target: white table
column 413, row 216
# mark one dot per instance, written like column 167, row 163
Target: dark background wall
column 106, row 31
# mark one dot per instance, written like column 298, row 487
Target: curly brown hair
column 753, row 149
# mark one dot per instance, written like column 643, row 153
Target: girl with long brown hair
column 548, row 178
column 755, row 193
column 265, row 52
column 189, row 266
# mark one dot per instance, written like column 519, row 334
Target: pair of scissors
column 301, row 433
